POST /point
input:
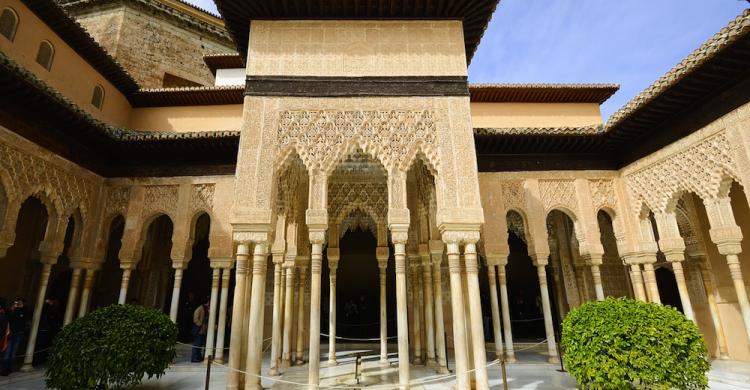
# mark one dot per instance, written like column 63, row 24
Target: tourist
column 4, row 328
column 19, row 320
column 200, row 328
column 50, row 324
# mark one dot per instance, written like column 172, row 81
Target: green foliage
column 623, row 343
column 112, row 347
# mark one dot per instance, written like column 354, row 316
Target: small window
column 8, row 23
column 45, row 55
column 97, row 99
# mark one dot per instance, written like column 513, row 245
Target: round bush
column 623, row 343
column 112, row 347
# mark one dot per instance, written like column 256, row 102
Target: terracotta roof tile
column 542, row 93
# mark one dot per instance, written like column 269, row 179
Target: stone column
column 219, row 352
column 124, row 284
column 211, row 332
column 301, row 315
column 547, row 311
column 235, row 342
column 637, row 280
column 75, row 284
column 88, row 282
column 424, row 252
column 278, row 258
column 596, row 274
column 399, row 238
column 286, row 356
column 257, row 303
column 333, row 264
column 649, row 278
column 175, row 306
column 496, row 327
column 316, row 265
column 713, row 307
column 436, row 252
column 459, row 325
column 381, row 253
column 727, row 236
column 40, row 295
column 475, row 308
column 416, row 308
column 679, row 275
column 510, row 355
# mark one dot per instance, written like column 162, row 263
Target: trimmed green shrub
column 622, row 343
column 112, row 347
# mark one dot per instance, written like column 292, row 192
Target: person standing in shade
column 200, row 328
column 4, row 328
column 19, row 320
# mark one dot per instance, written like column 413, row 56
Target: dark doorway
column 107, row 284
column 527, row 322
column 21, row 266
column 196, row 280
column 668, row 291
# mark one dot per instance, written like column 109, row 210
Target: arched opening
column 9, row 23
column 667, row 284
column 615, row 279
column 21, row 266
column 107, row 283
column 571, row 283
column 524, row 295
column 3, row 204
column 97, row 97
column 196, row 279
column 45, row 55
column 150, row 285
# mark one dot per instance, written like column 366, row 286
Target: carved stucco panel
column 557, row 193
column 161, row 199
column 202, row 197
column 602, row 194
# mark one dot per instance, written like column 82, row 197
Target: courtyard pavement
column 530, row 372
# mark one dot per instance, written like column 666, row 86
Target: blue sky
column 629, row 42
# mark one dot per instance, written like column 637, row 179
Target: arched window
column 97, row 99
column 8, row 23
column 45, row 55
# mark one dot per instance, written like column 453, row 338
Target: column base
column 417, row 361
column 285, row 363
column 553, row 359
column 331, row 363
column 430, row 362
column 724, row 357
column 273, row 371
column 510, row 359
column 299, row 362
column 27, row 367
column 442, row 370
column 384, row 362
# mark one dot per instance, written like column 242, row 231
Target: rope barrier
column 529, row 320
column 357, row 339
column 364, row 324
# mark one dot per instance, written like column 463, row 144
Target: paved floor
column 532, row 372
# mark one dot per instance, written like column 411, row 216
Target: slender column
column 436, row 251
column 316, row 265
column 739, row 286
column 496, row 327
column 333, row 263
column 176, row 294
column 75, row 283
column 475, row 308
column 399, row 247
column 278, row 258
column 211, row 332
column 41, row 292
column 416, row 293
column 596, row 274
column 88, row 282
column 381, row 253
column 124, row 283
column 551, row 347
column 510, row 355
column 713, row 308
column 238, row 312
column 219, row 352
column 459, row 324
column 637, row 279
column 288, row 306
column 649, row 277
column 679, row 275
column 301, row 315
column 255, row 335
column 428, row 307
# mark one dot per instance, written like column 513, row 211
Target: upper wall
column 501, row 115
column 188, row 118
column 356, row 48
column 70, row 74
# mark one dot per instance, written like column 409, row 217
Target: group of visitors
column 15, row 322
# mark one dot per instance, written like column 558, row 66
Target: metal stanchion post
column 502, row 371
column 208, row 370
column 445, row 335
column 559, row 354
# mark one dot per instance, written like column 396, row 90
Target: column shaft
column 496, row 327
column 211, row 332
column 88, row 282
column 219, row 351
column 459, row 324
column 41, row 293
column 316, row 265
column 288, row 306
column 276, row 321
column 238, row 312
column 428, row 312
column 649, row 277
column 383, row 318
column 416, row 309
column 510, row 355
column 175, row 294
column 475, row 308
column 596, row 274
column 551, row 347
column 637, row 279
column 75, row 283
column 301, row 316
column 679, row 276
column 713, row 308
column 125, row 282
column 255, row 335
column 402, row 316
column 437, row 290
column 332, row 318
column 739, row 286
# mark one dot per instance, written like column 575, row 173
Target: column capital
column 381, row 254
column 252, row 233
column 539, row 259
column 460, row 234
column 436, row 247
column 727, row 239
column 399, row 234
column 593, row 258
column 497, row 258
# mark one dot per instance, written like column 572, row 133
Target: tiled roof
column 554, row 131
column 542, row 93
column 223, row 61
column 736, row 29
column 188, row 96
